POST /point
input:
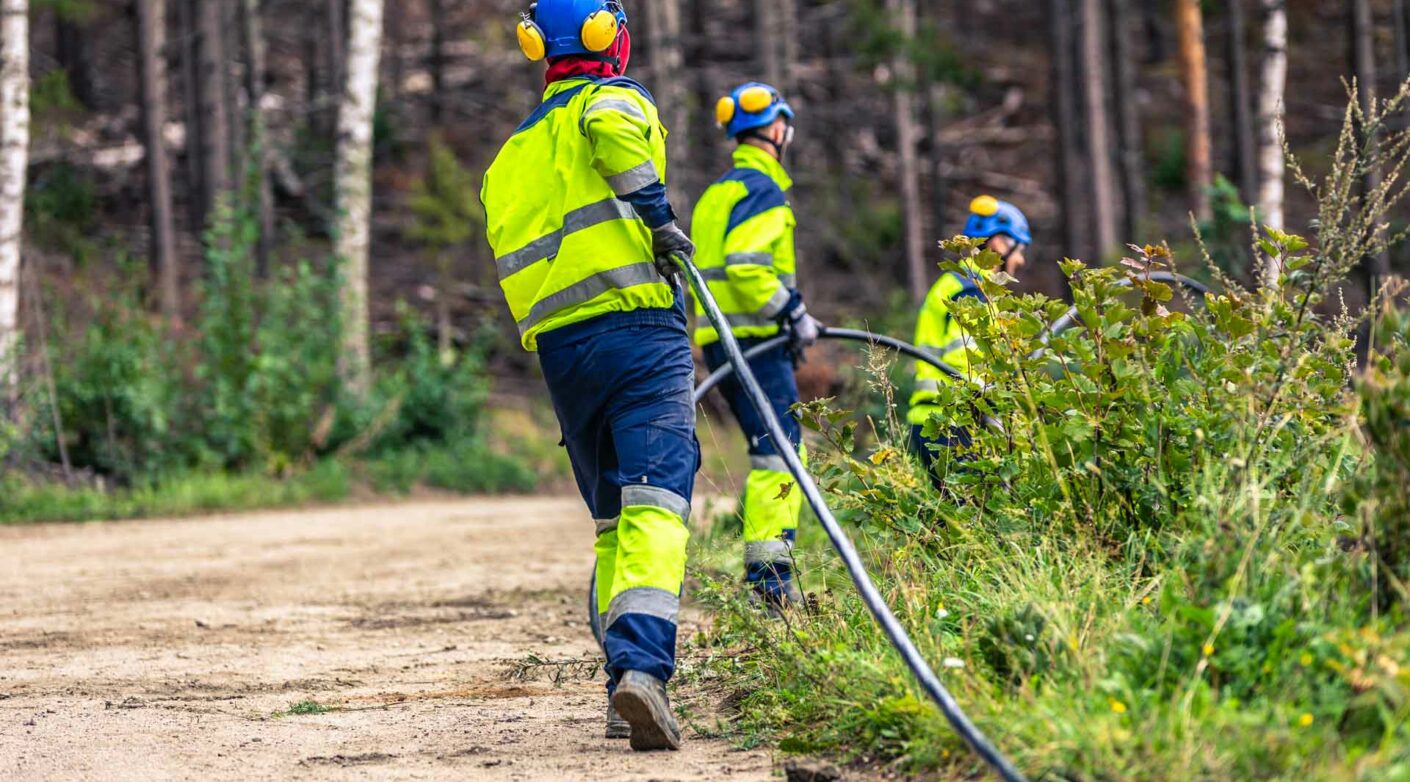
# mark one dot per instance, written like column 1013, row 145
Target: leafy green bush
column 1177, row 542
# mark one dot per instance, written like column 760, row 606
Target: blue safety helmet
column 749, row 107
column 562, row 28
column 990, row 217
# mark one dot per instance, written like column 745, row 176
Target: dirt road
column 176, row 649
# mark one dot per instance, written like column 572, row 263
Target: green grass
column 1184, row 556
column 465, row 469
column 303, row 708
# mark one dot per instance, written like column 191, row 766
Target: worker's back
column 939, row 333
column 567, row 249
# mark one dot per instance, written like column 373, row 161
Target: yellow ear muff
column 724, row 111
column 985, row 206
column 756, row 99
column 531, row 40
column 600, row 31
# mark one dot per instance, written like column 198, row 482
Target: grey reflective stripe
column 776, row 303
column 606, row 525
column 773, row 463
column 586, row 290
column 749, row 259
column 637, row 495
column 643, row 600
column 789, row 280
column 612, row 104
column 545, row 247
column 634, row 179
column 928, row 386
column 715, row 274
column 750, row 321
column 767, row 552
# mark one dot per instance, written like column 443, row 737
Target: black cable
column 848, row 335
column 850, row 558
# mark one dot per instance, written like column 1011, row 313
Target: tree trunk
column 767, row 15
column 1066, row 118
column 353, row 185
column 191, row 109
column 438, row 61
column 151, row 44
column 336, row 34
column 14, row 161
column 1094, row 68
column 1363, row 45
column 668, row 70
column 253, row 33
column 903, row 14
column 1402, row 39
column 1128, row 123
column 215, row 121
column 1194, row 73
column 1240, row 100
column 73, row 45
column 1272, row 84
column 1151, row 23
column 789, row 44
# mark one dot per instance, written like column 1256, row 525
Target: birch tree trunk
column 14, row 160
column 1194, row 72
column 252, row 31
column 1240, row 101
column 151, row 46
column 903, row 13
column 353, row 185
column 1272, row 85
column 1067, row 119
column 1128, row 122
column 1094, row 68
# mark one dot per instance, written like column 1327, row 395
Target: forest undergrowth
column 1179, row 547
column 246, row 406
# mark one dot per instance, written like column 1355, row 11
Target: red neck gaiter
column 618, row 54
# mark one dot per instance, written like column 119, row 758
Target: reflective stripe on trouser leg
column 770, row 520
column 644, row 598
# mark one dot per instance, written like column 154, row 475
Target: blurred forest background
column 194, row 167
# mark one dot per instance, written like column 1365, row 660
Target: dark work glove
column 667, row 242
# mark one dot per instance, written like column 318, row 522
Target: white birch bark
column 353, row 184
column 14, row 160
column 1272, row 85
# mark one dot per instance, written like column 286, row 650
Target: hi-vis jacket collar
column 750, row 156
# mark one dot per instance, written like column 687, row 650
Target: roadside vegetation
column 131, row 415
column 1178, row 549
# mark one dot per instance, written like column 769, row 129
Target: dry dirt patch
column 368, row 643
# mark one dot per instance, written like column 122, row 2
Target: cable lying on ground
column 850, row 558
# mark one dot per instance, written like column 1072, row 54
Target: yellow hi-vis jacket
column 940, row 334
column 568, row 247
column 743, row 233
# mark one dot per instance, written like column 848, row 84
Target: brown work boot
column 641, row 700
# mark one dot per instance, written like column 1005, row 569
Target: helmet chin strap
column 779, row 149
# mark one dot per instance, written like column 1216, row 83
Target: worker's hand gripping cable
column 870, row 595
